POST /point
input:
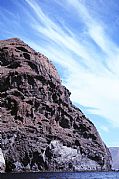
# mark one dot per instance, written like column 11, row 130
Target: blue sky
column 81, row 38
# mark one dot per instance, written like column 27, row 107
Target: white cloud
column 95, row 86
column 65, row 40
column 104, row 128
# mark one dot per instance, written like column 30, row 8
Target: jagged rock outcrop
column 41, row 128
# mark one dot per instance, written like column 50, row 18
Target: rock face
column 41, row 128
column 115, row 157
column 2, row 162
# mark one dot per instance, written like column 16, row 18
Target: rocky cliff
column 115, row 157
column 40, row 127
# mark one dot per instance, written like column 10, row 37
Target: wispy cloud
column 87, row 52
column 92, row 81
column 63, row 38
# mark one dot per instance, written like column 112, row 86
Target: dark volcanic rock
column 40, row 128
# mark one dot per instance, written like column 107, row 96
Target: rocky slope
column 41, row 129
column 115, row 157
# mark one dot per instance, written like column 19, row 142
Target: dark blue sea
column 61, row 175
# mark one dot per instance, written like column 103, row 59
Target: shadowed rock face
column 41, row 129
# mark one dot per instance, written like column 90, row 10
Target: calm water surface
column 61, row 175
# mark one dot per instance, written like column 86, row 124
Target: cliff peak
column 40, row 128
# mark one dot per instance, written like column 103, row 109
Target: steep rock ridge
column 41, row 129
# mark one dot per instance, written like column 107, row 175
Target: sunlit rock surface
column 41, row 128
column 2, row 162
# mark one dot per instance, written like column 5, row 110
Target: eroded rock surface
column 41, row 128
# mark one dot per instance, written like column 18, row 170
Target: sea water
column 61, row 175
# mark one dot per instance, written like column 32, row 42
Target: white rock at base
column 2, row 162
